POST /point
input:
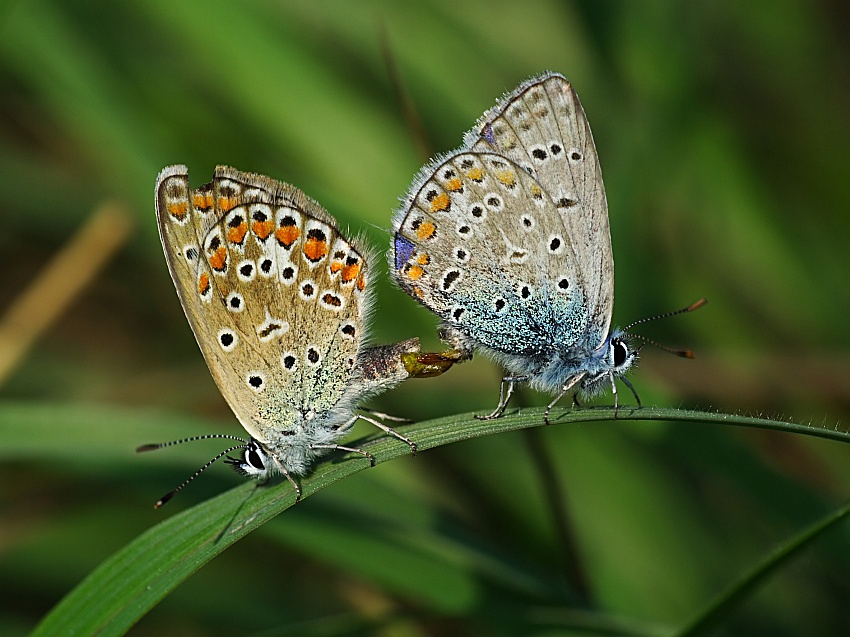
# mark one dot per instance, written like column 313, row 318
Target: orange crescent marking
column 204, row 283
column 178, row 209
column 226, row 204
column 218, row 261
column 315, row 249
column 426, row 230
column 507, row 177
column 440, row 202
column 350, row 272
column 237, row 234
column 287, row 235
column 263, row 229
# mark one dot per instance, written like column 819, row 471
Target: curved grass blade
column 730, row 599
column 129, row 583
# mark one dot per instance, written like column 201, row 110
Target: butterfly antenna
column 693, row 306
column 684, row 353
column 161, row 445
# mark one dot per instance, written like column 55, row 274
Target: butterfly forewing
column 273, row 292
column 542, row 127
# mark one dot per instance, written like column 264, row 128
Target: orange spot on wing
column 507, row 177
column 203, row 200
column 263, row 229
column 204, row 283
column 287, row 235
column 237, row 234
column 226, row 204
column 454, row 184
column 415, row 273
column 350, row 272
column 426, row 230
column 440, row 202
column 423, row 259
column 361, row 282
column 336, row 266
column 218, row 260
column 315, row 249
column 475, row 174
column 178, row 209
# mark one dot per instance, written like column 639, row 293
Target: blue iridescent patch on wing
column 403, row 251
column 487, row 134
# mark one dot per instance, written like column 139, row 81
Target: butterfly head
column 613, row 360
column 254, row 462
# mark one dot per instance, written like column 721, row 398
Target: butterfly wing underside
column 542, row 127
column 275, row 295
column 507, row 238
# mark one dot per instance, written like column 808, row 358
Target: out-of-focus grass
column 722, row 134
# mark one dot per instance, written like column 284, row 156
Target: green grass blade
column 730, row 599
column 128, row 584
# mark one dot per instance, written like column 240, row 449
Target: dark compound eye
column 253, row 458
column 620, row 352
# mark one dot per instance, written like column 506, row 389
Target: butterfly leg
column 634, row 392
column 390, row 431
column 289, row 477
column 383, row 416
column 630, row 386
column 504, row 397
column 566, row 388
column 334, row 447
column 616, row 396
column 614, row 389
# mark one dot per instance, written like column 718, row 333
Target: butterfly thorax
column 291, row 433
column 609, row 361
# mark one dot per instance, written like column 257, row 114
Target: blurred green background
column 722, row 129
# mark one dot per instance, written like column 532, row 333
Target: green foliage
column 722, row 132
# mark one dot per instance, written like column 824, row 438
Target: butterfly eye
column 253, row 458
column 620, row 352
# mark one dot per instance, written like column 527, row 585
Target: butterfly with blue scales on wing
column 507, row 240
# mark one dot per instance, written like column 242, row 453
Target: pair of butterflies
column 506, row 239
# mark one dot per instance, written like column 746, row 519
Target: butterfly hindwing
column 473, row 244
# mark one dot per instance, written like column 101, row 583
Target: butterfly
column 507, row 240
column 279, row 301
